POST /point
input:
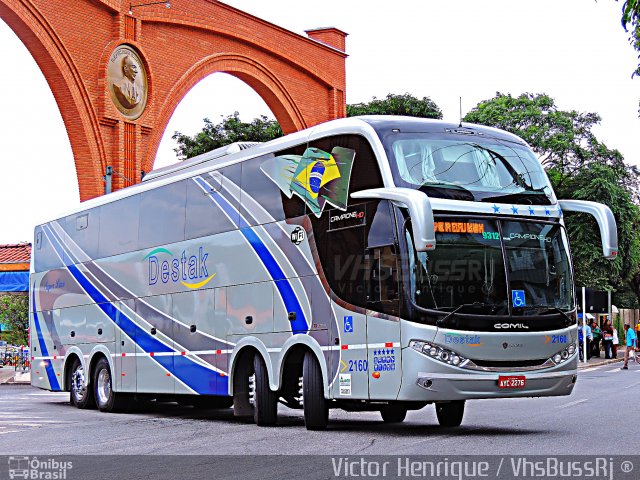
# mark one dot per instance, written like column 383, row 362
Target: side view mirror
column 605, row 219
column 420, row 211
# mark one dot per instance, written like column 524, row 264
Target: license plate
column 515, row 381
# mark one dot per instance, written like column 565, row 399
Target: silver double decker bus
column 370, row 263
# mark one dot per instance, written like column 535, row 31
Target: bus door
column 341, row 245
column 382, row 288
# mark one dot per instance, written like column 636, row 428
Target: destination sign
column 459, row 227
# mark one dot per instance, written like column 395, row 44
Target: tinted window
column 162, row 215
column 213, row 202
column 267, row 184
column 365, row 172
column 119, row 226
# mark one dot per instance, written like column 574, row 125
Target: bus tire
column 393, row 414
column 265, row 407
column 316, row 408
column 80, row 393
column 106, row 399
column 450, row 413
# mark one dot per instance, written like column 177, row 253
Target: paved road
column 591, row 421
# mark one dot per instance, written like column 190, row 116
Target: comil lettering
column 511, row 325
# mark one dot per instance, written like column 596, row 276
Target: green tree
column 600, row 182
column 14, row 313
column 582, row 168
column 631, row 20
column 230, row 130
column 394, row 104
column 563, row 139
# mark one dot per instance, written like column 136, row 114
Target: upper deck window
column 468, row 168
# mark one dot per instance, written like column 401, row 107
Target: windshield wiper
column 454, row 186
column 544, row 309
column 441, row 322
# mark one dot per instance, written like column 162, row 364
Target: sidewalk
column 8, row 376
column 596, row 361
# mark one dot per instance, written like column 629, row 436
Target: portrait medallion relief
column 127, row 80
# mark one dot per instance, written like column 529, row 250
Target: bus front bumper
column 441, row 382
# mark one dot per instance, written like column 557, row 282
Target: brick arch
column 302, row 79
column 67, row 86
column 251, row 72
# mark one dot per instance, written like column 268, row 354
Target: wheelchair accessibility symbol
column 348, row 324
column 517, row 298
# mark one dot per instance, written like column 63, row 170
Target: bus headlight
column 563, row 355
column 438, row 353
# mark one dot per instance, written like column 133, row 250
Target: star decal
column 531, row 211
column 496, row 209
column 514, row 209
column 547, row 212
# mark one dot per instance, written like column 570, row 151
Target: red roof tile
column 20, row 253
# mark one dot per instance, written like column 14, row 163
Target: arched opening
column 37, row 171
column 215, row 97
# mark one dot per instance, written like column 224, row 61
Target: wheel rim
column 78, row 385
column 104, row 386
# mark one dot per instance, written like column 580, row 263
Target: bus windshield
column 467, row 268
column 484, row 168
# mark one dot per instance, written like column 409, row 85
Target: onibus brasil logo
column 188, row 270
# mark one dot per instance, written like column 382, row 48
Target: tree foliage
column 14, row 313
column 631, row 21
column 230, row 130
column 394, row 104
column 581, row 168
column 563, row 139
column 602, row 183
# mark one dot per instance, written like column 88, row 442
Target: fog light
column 557, row 358
column 455, row 360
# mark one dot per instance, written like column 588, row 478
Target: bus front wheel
column 393, row 414
column 450, row 413
column 316, row 409
column 265, row 408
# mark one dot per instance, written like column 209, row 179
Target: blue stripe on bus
column 44, row 352
column 194, row 375
column 299, row 325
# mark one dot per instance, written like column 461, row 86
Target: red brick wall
column 302, row 80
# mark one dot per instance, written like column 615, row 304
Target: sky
column 574, row 50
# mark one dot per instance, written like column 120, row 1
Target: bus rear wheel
column 450, row 413
column 106, row 399
column 316, row 408
column 265, row 401
column 393, row 414
column 81, row 394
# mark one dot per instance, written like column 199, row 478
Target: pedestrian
column 595, row 341
column 589, row 339
column 581, row 334
column 616, row 342
column 630, row 337
column 607, row 339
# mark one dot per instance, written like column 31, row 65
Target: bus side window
column 162, row 215
column 260, row 191
column 119, row 226
column 381, row 263
column 204, row 216
column 365, row 173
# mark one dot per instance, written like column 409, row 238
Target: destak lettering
column 182, row 268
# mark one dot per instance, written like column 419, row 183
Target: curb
column 581, row 366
